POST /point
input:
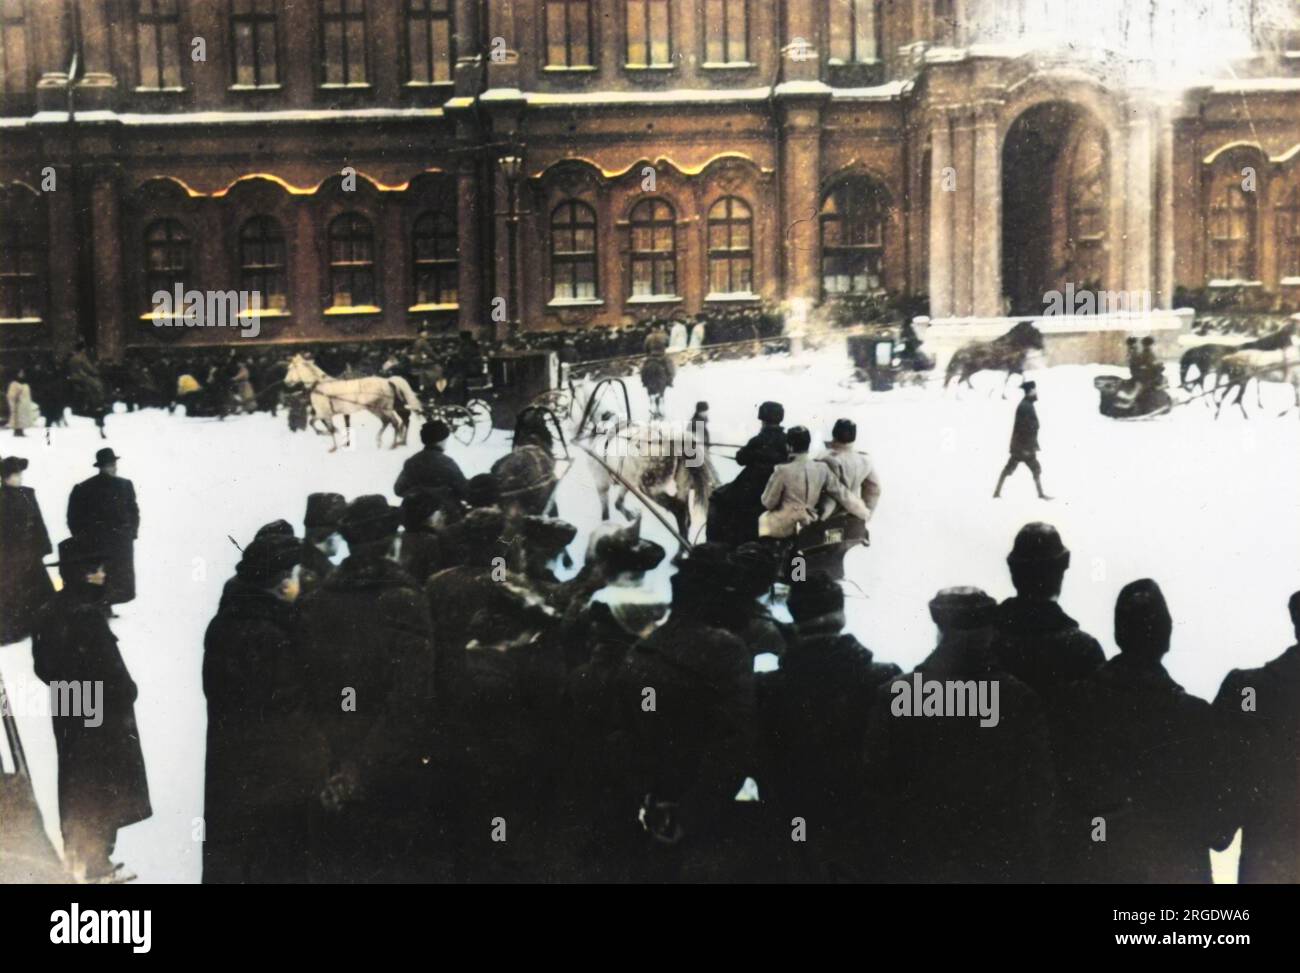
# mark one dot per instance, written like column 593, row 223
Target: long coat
column 23, row 414
column 24, row 582
column 266, row 761
column 1043, row 647
column 1148, row 759
column 103, row 510
column 795, row 492
column 736, row 506
column 430, row 471
column 1024, row 432
column 102, row 783
column 1265, row 775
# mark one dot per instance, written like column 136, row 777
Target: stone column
column 987, row 228
column 469, row 284
column 941, row 214
column 963, row 237
column 800, row 175
column 1138, row 205
column 1165, row 216
column 61, row 312
column 106, row 216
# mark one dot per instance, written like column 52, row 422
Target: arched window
column 853, row 26
column 852, row 225
column 654, row 249
column 166, row 259
column 435, row 256
column 1231, row 229
column 731, row 247
column 22, row 257
column 352, row 261
column 1288, row 234
column 261, row 263
column 573, row 252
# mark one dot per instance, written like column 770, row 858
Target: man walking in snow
column 1024, row 442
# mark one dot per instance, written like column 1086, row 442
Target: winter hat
column 818, row 596
column 482, row 490
column 324, row 510
column 433, row 432
column 105, row 457
column 548, row 535
column 623, row 552
column 773, row 412
column 419, row 507
column 276, row 528
column 962, row 609
column 77, row 558
column 369, row 518
column 844, row 431
column 798, row 439
column 268, row 559
column 756, row 567
column 1037, row 543
column 11, row 465
column 1143, row 624
column 1028, row 387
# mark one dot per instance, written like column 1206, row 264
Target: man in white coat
column 796, row 489
column 853, row 469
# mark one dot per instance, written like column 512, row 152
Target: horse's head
column 1025, row 335
column 302, row 372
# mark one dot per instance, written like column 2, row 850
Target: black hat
column 482, row 490
column 709, row 567
column 369, row 518
column 818, row 596
column 771, row 412
column 626, row 552
column 1148, row 340
column 962, row 608
column 701, row 406
column 798, row 438
column 1142, row 620
column 844, row 431
column 276, row 528
column 269, row 558
column 1038, row 542
column 1028, row 386
column 419, row 507
column 105, row 457
column 1130, row 340
column 433, row 432
column 12, row 464
column 77, row 556
column 324, row 510
column 548, row 535
column 756, row 566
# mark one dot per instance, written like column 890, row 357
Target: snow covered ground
column 1209, row 509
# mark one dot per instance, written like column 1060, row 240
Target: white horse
column 1272, row 359
column 386, row 398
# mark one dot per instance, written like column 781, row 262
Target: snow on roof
column 239, row 117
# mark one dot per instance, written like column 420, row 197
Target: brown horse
column 656, row 376
column 1006, row 353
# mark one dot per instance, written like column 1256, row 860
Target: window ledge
column 256, row 87
column 349, row 86
column 728, row 65
column 836, row 62
column 352, row 309
column 654, row 299
column 575, row 302
column 1289, row 282
column 570, row 69
column 649, row 67
column 4, row 321
column 430, row 308
column 265, row 312
column 426, row 85
column 160, row 91
column 1219, row 283
column 747, row 297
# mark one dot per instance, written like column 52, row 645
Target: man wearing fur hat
column 368, row 650
column 102, row 783
column 320, row 537
column 431, row 470
column 740, row 502
column 266, row 762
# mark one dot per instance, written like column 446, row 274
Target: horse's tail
column 403, row 388
column 700, row 479
column 1184, row 365
column 954, row 366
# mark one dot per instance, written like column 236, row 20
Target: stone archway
column 1055, row 204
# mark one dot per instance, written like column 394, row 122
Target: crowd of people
column 441, row 705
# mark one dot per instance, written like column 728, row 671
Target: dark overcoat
column 103, row 511
column 24, row 582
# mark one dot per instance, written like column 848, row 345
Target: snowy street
column 1209, row 509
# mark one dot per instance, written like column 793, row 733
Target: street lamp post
column 511, row 167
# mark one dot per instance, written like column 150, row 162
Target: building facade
column 368, row 167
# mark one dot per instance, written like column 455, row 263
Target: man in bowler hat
column 102, row 512
column 1024, row 442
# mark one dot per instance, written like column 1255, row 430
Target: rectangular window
column 343, row 42
column 852, row 31
column 15, row 66
column 726, row 25
column 253, row 26
column 568, row 33
column 649, row 34
column 157, row 38
column 429, row 56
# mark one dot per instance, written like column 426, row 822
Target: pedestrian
column 24, row 542
column 700, row 424
column 102, row 511
column 23, row 413
column 265, row 760
column 102, row 782
column 320, row 543
column 1261, row 709
column 1024, row 442
column 431, row 470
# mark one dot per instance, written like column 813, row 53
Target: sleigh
column 1122, row 399
column 823, row 545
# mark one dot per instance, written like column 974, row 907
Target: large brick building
column 368, row 166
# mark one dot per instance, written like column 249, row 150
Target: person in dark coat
column 102, row 782
column 740, row 502
column 959, row 798
column 419, row 550
column 24, row 583
column 266, row 762
column 320, row 537
column 102, row 512
column 813, row 716
column 1024, row 442
column 367, row 639
column 1261, row 710
column 431, row 470
column 691, row 753
column 1142, row 766
column 1037, row 642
